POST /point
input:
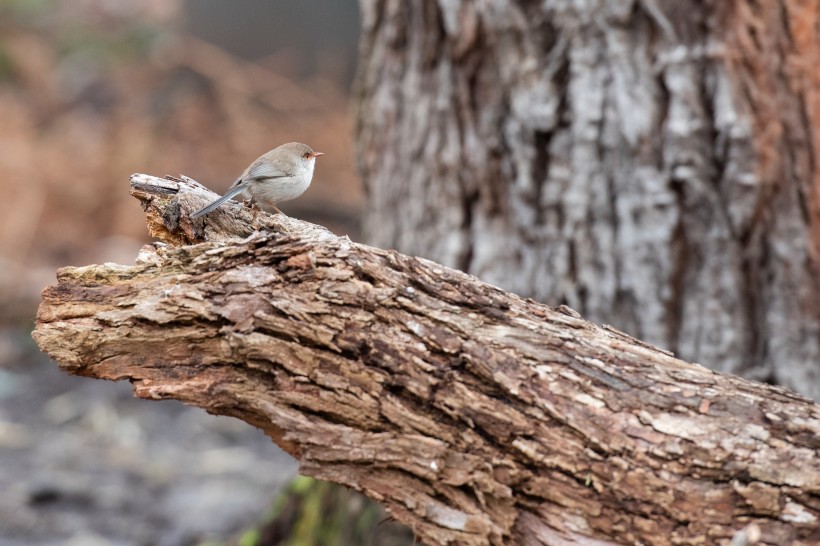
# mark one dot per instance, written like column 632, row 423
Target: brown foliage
column 74, row 126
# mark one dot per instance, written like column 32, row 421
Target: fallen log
column 473, row 415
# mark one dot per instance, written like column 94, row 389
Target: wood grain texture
column 652, row 164
column 475, row 416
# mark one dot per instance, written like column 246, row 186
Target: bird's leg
column 253, row 204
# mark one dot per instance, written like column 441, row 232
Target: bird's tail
column 231, row 192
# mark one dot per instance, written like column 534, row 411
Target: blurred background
column 90, row 92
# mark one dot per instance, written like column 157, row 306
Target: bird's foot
column 254, row 208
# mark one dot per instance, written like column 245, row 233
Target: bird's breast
column 277, row 190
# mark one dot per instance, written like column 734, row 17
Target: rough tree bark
column 473, row 415
column 652, row 163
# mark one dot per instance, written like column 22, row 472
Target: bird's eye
column 306, row 155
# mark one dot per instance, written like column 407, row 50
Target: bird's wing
column 264, row 169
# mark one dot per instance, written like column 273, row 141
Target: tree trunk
column 651, row 163
column 473, row 415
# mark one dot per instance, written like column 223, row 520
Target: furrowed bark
column 653, row 164
column 473, row 415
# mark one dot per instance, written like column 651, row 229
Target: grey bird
column 281, row 174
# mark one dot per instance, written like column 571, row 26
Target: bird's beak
column 316, row 154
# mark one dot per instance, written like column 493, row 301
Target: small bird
column 281, row 174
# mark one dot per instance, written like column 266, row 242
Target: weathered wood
column 652, row 164
column 473, row 415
